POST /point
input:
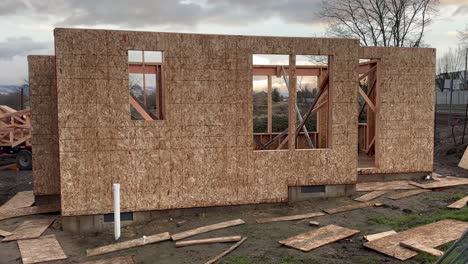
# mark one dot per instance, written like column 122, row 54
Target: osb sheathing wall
column 405, row 124
column 202, row 154
column 43, row 101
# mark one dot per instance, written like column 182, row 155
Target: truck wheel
column 24, row 159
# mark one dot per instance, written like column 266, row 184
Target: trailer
column 15, row 136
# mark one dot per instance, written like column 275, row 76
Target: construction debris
column 41, row 249
column 205, row 229
column 414, row 245
column 21, row 199
column 41, row 209
column 431, row 235
column 30, row 229
column 314, row 223
column 441, row 182
column 384, row 186
column 370, row 196
column 224, row 253
column 379, row 235
column 128, row 244
column 208, row 241
column 288, row 218
column 401, row 195
column 351, row 207
column 116, row 260
column 459, row 204
column 5, row 233
column 318, row 237
column 464, row 160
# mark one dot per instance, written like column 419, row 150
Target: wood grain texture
column 384, row 186
column 459, row 204
column 431, row 235
column 370, row 196
column 379, row 235
column 351, row 207
column 464, row 160
column 41, row 249
column 224, row 253
column 319, row 237
column 116, row 260
column 41, row 209
column 208, row 241
column 441, row 182
column 288, row 218
column 401, row 195
column 208, row 228
column 4, row 233
column 21, row 199
column 30, row 229
column 44, row 123
column 128, row 244
column 416, row 246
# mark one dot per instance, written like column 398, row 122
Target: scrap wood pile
column 15, row 126
column 401, row 245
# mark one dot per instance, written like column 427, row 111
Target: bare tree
column 463, row 37
column 399, row 23
column 451, row 61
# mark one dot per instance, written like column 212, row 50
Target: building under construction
column 192, row 120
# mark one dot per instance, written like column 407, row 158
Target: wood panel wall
column 405, row 124
column 43, row 102
column 202, row 154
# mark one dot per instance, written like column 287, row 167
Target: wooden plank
column 30, row 229
column 116, row 260
column 401, row 195
column 21, row 199
column 370, row 196
column 464, row 160
column 288, row 218
column 351, row 207
column 205, row 229
column 384, row 186
column 379, row 235
column 314, row 223
column 128, row 244
column 368, row 101
column 459, row 204
column 5, row 233
column 41, row 249
column 270, row 106
column 431, row 235
column 224, row 253
column 41, row 209
column 318, row 237
column 208, row 241
column 441, row 183
column 414, row 245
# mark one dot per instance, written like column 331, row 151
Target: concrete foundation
column 392, row 176
column 302, row 193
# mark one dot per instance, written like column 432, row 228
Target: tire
column 24, row 159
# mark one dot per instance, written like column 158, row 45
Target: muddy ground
column 262, row 244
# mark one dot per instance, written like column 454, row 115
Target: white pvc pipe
column 116, row 191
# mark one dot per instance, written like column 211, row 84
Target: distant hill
column 11, row 95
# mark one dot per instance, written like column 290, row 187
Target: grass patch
column 427, row 258
column 411, row 220
column 366, row 260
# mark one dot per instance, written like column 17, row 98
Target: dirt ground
column 262, row 244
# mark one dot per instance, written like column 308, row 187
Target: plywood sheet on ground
column 379, row 235
column 401, row 195
column 384, row 186
column 128, row 244
column 41, row 249
column 30, row 229
column 416, row 246
column 431, row 235
column 41, row 209
column 5, row 233
column 205, row 229
column 116, row 260
column 459, row 204
column 370, row 196
column 21, row 199
column 319, row 237
column 441, row 182
column 351, row 207
column 289, row 217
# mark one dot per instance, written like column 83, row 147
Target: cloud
column 19, row 46
column 165, row 12
column 461, row 10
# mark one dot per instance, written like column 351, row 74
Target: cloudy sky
column 26, row 25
